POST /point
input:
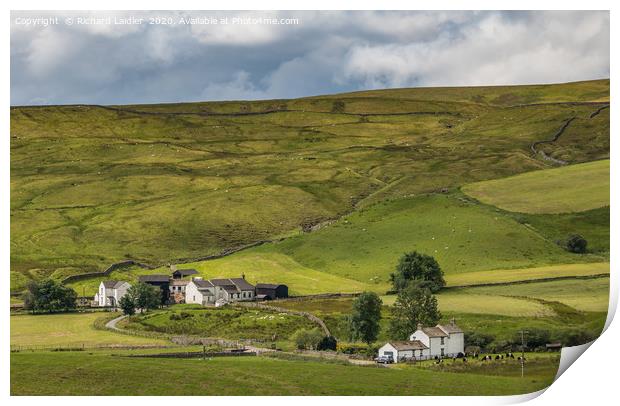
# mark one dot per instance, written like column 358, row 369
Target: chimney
column 173, row 268
column 452, row 321
column 243, row 276
column 419, row 326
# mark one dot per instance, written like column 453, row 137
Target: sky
column 108, row 58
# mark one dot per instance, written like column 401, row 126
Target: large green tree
column 364, row 320
column 144, row 296
column 49, row 296
column 423, row 268
column 414, row 305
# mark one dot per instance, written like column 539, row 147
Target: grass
column 67, row 330
column 359, row 251
column 526, row 274
column 567, row 189
column 586, row 295
column 473, row 302
column 229, row 323
column 100, row 374
column 92, row 186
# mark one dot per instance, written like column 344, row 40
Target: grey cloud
column 327, row 52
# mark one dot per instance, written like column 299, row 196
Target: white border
column 591, row 380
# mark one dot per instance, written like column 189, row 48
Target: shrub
column 576, row 243
column 327, row 343
column 307, row 339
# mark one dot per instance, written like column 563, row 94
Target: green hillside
column 566, row 189
column 93, row 185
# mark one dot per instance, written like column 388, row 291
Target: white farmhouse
column 200, row 291
column 443, row 340
column 110, row 292
column 214, row 291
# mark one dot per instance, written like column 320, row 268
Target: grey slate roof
column 450, row 328
column 154, row 278
column 408, row 345
column 112, row 284
column 186, row 272
column 239, row 284
column 242, row 284
column 203, row 284
column 434, row 332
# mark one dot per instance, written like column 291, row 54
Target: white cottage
column 110, row 293
column 404, row 350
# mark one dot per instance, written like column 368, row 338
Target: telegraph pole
column 523, row 333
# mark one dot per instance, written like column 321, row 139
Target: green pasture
column 68, row 330
column 526, row 274
column 567, row 189
column 591, row 295
column 97, row 373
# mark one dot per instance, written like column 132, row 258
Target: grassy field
column 567, row 189
column 91, row 186
column 514, row 275
column 96, row 374
column 590, row 295
column 66, row 330
column 229, row 323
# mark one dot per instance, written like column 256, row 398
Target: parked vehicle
column 384, row 359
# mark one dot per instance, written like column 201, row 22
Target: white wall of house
column 420, row 336
column 389, row 350
column 456, row 344
column 402, row 355
column 120, row 291
column 195, row 295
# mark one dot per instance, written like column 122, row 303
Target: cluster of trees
column 140, row 296
column 417, row 277
column 49, row 296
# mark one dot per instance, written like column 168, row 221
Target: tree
column 364, row 320
column 418, row 267
column 49, row 296
column 307, row 339
column 128, row 305
column 414, row 305
column 144, row 296
column 576, row 243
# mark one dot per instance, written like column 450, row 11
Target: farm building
column 234, row 289
column 200, row 291
column 177, row 290
column 110, row 292
column 183, row 273
column 226, row 290
column 443, row 340
column 271, row 291
column 161, row 281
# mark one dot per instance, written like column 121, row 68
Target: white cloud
column 327, row 52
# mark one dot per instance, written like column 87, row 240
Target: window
column 442, row 352
column 442, row 341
